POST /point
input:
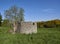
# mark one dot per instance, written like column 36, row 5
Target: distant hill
column 49, row 24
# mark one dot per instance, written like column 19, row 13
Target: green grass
column 44, row 36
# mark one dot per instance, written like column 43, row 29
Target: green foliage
column 40, row 24
column 6, row 23
column 57, row 22
column 0, row 19
column 49, row 24
column 44, row 36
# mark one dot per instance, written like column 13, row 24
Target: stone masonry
column 27, row 27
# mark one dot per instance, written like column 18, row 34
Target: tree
column 21, row 15
column 5, row 23
column 14, row 15
column 0, row 19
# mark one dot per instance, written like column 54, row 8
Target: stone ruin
column 26, row 27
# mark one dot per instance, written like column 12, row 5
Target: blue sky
column 35, row 10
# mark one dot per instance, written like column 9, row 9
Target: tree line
column 49, row 24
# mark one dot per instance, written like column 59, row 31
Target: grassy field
column 44, row 36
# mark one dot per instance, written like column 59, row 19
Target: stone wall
column 27, row 27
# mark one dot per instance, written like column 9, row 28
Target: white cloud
column 48, row 10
